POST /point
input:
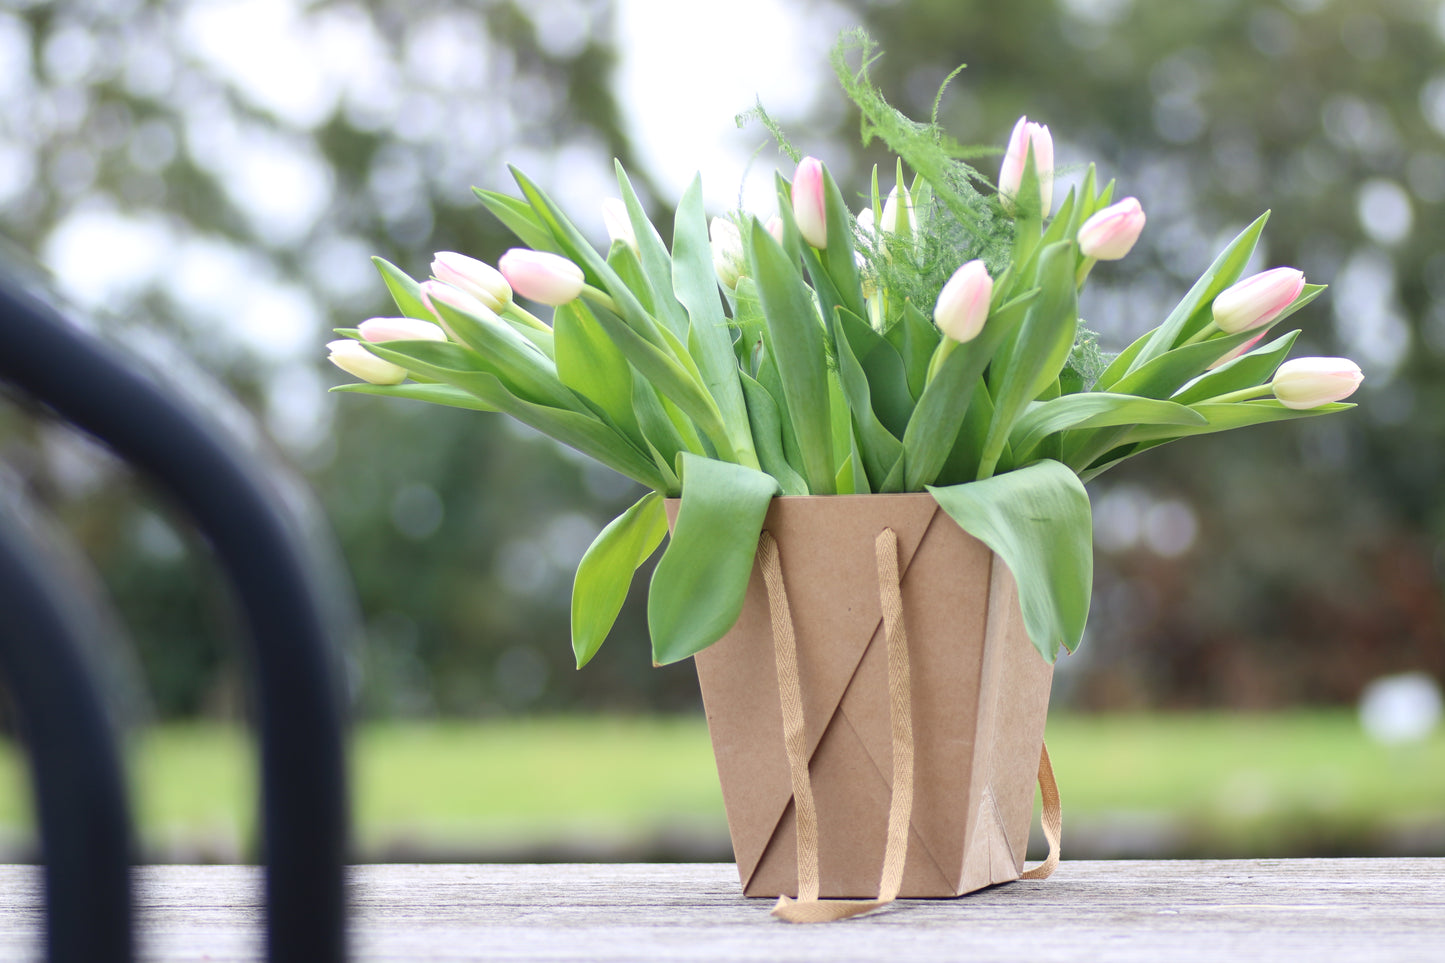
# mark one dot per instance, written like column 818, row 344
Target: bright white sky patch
column 100, row 255
column 688, row 69
column 228, row 289
column 262, row 47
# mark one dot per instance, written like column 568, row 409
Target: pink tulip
column 477, row 278
column 963, row 303
column 543, row 277
column 377, row 330
column 898, row 205
column 353, row 358
column 1110, row 234
column 808, row 208
column 1257, row 300
column 434, row 292
column 776, row 228
column 1027, row 135
column 1304, row 383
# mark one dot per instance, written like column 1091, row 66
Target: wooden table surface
column 1317, row 910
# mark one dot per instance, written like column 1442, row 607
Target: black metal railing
column 294, row 661
column 84, row 820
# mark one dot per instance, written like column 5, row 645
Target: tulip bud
column 619, row 224
column 1027, row 136
column 895, row 207
column 866, row 225
column 727, row 251
column 353, row 358
column 1303, row 383
column 1110, row 234
column 480, row 280
column 439, row 291
column 776, row 228
column 543, row 277
column 400, row 329
column 963, row 303
column 809, row 211
column 1258, row 300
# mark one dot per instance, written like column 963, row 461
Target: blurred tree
column 224, row 170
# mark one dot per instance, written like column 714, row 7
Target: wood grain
column 1318, row 910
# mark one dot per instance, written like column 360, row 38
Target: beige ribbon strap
column 1053, row 818
column 808, row 908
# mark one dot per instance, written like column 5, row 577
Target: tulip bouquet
column 930, row 340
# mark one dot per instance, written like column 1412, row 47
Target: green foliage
column 698, row 586
column 1037, row 520
column 827, row 379
column 605, row 573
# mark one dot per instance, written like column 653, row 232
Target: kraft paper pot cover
column 980, row 695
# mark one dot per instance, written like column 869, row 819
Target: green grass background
column 583, row 787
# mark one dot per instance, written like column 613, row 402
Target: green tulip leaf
column 437, row 394
column 767, row 428
column 589, row 363
column 1121, row 363
column 404, row 290
column 519, row 218
column 1166, row 374
column 525, row 370
column 962, row 463
column 1196, row 308
column 1255, row 368
column 709, row 338
column 1037, row 520
column 1094, row 409
column 656, row 262
column 658, row 427
column 878, row 448
column 915, row 337
column 660, row 367
column 1220, row 417
column 605, row 572
column 796, row 341
column 1225, row 417
column 698, row 586
column 934, row 427
column 463, row 368
column 1040, row 349
column 882, row 365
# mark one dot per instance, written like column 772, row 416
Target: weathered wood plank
column 1315, row 910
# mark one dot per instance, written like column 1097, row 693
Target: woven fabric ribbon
column 808, row 908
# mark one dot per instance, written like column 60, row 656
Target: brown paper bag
column 980, row 694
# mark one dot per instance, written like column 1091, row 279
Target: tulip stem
column 1082, row 274
column 1243, row 394
column 599, row 296
column 944, row 349
column 1203, row 334
column 516, row 311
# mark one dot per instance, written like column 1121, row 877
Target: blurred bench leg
column 281, row 586
column 84, row 821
